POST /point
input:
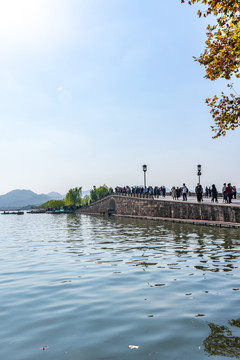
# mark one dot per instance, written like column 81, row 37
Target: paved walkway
column 193, row 199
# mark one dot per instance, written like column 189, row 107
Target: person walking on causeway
column 214, row 193
column 199, row 192
column 229, row 193
column 184, row 192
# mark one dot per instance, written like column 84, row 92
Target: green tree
column 102, row 191
column 52, row 204
column 221, row 59
column 86, row 199
column 93, row 195
column 98, row 193
column 74, row 197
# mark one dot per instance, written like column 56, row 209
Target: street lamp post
column 199, row 167
column 144, row 171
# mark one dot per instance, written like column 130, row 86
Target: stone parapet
column 167, row 209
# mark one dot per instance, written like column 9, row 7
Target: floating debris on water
column 133, row 346
column 44, row 347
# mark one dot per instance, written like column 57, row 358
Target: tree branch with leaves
column 221, row 59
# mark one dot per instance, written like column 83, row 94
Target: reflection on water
column 222, row 342
column 88, row 287
column 182, row 241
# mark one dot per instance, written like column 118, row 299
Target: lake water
column 85, row 288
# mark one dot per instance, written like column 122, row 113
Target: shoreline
column 183, row 221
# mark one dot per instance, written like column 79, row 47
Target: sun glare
column 18, row 17
column 30, row 22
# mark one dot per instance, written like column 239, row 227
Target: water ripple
column 87, row 287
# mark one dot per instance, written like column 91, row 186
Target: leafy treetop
column 99, row 192
column 74, row 197
column 52, row 204
column 221, row 59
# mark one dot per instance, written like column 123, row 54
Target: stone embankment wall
column 126, row 205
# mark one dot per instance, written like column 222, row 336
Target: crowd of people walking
column 177, row 192
column 229, row 192
column 154, row 191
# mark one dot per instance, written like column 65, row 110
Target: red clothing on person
column 228, row 190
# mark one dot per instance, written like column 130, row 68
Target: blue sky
column 91, row 90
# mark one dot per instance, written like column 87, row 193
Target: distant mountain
column 55, row 196
column 17, row 199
